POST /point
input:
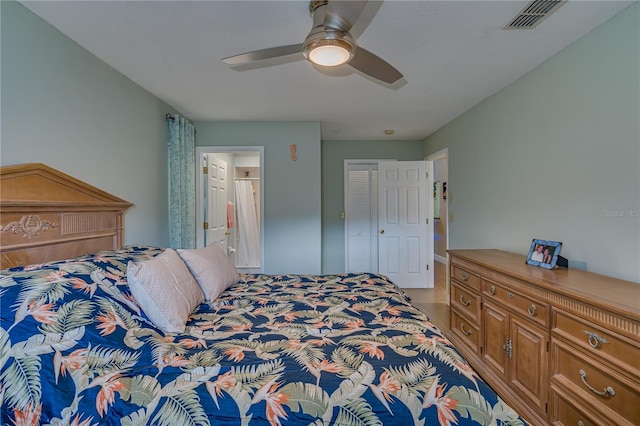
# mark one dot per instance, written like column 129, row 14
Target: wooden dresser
column 562, row 346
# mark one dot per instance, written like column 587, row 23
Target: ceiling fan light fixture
column 329, row 52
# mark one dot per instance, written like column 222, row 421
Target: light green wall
column 556, row 155
column 292, row 224
column 63, row 107
column 333, row 155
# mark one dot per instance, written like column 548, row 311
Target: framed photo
column 544, row 253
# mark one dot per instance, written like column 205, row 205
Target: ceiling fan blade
column 342, row 15
column 374, row 66
column 259, row 55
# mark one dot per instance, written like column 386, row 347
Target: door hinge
column 427, row 221
column 205, row 170
column 427, row 266
column 205, row 225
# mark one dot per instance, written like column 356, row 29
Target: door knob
column 382, row 231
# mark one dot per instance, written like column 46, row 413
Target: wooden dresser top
column 590, row 287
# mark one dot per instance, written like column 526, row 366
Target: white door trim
column 440, row 155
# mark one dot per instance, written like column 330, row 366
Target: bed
column 77, row 349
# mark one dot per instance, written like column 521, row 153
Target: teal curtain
column 182, row 183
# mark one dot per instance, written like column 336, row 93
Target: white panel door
column 404, row 218
column 217, row 201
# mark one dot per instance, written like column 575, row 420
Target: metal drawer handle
column 580, row 423
column 607, row 391
column 532, row 310
column 465, row 277
column 492, row 290
column 508, row 347
column 467, row 333
column 595, row 340
column 467, row 303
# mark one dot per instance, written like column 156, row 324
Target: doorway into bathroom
column 229, row 203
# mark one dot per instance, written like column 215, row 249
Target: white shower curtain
column 248, row 226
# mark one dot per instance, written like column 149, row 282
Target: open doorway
column 229, row 203
column 441, row 212
column 441, row 222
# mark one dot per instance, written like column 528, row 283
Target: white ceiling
column 453, row 54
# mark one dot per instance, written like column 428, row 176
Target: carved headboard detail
column 46, row 215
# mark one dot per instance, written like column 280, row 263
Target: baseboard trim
column 440, row 259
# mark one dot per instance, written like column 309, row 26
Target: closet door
column 361, row 217
column 392, row 236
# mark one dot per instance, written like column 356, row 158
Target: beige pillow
column 165, row 290
column 211, row 268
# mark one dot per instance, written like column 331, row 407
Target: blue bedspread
column 349, row 349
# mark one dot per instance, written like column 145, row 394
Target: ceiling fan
column 329, row 42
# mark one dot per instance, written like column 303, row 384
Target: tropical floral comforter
column 75, row 349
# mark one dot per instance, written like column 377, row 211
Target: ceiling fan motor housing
column 314, row 4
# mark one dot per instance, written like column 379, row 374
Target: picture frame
column 544, row 253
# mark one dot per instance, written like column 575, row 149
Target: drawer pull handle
column 595, row 340
column 580, row 423
column 607, row 391
column 492, row 290
column 511, row 295
column 465, row 277
column 508, row 347
column 532, row 310
column 465, row 303
column 466, row 332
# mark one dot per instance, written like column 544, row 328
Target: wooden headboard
column 46, row 215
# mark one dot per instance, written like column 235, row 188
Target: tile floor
column 433, row 301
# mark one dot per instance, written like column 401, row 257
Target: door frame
column 443, row 154
column 200, row 150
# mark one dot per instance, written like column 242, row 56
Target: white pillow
column 165, row 290
column 212, row 269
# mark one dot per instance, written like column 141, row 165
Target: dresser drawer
column 598, row 385
column 466, row 302
column 533, row 309
column 566, row 413
column 598, row 342
column 466, row 331
column 466, row 277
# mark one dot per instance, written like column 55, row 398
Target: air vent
column 533, row 14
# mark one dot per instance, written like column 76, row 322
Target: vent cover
column 533, row 13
